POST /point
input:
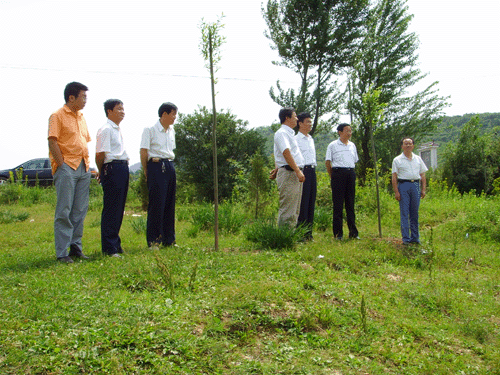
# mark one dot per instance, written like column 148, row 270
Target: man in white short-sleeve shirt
column 112, row 163
column 157, row 159
column 289, row 163
column 341, row 157
column 409, row 183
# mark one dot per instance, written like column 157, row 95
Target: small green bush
column 7, row 217
column 269, row 235
column 203, row 216
column 10, row 193
column 323, row 218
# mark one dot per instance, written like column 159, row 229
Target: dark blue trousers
column 114, row 180
column 408, row 210
column 343, row 183
column 162, row 185
column 309, row 187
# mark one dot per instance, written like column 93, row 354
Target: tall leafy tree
column 468, row 164
column 316, row 39
column 194, row 154
column 387, row 62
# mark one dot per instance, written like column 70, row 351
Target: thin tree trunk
column 214, row 147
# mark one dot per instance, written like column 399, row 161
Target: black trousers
column 343, row 183
column 309, row 187
column 162, row 185
column 114, row 180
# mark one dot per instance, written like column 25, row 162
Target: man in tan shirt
column 69, row 157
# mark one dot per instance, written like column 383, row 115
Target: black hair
column 73, row 88
column 110, row 104
column 166, row 107
column 302, row 116
column 341, row 127
column 286, row 113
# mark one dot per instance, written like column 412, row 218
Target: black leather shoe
column 65, row 259
column 74, row 251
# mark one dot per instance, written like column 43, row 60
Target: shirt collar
column 113, row 124
column 67, row 109
column 288, row 129
column 306, row 136
column 407, row 158
column 160, row 127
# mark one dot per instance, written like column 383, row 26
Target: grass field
column 324, row 307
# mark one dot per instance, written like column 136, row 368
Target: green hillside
column 449, row 129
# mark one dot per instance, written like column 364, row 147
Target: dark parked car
column 30, row 169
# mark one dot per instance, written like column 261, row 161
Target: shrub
column 10, row 193
column 269, row 235
column 231, row 218
column 7, row 217
column 323, row 218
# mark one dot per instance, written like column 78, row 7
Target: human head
column 285, row 113
column 407, row 145
column 166, row 107
column 409, row 138
column 304, row 122
column 345, row 132
column 114, row 110
column 110, row 105
column 341, row 127
column 73, row 89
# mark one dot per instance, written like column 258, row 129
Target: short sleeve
column 87, row 135
column 328, row 153
column 54, row 126
column 146, row 139
column 356, row 158
column 103, row 143
column 281, row 142
column 394, row 166
column 173, row 139
column 423, row 167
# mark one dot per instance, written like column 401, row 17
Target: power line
column 139, row 74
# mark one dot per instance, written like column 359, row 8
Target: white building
column 428, row 153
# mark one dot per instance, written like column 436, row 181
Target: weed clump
column 269, row 235
column 7, row 217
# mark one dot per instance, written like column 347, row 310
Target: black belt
column 288, row 168
column 309, row 166
column 416, row 180
column 158, row 160
column 342, row 169
column 118, row 162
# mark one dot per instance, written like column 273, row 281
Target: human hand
column 273, row 174
column 300, row 175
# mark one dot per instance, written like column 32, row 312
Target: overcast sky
column 147, row 52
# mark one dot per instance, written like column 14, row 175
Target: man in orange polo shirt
column 69, row 157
